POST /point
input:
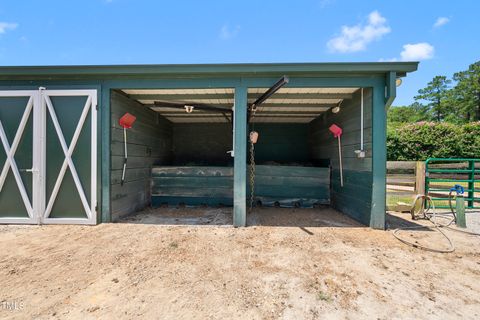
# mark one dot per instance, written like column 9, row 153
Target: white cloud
column 357, row 37
column 387, row 60
column 441, row 21
column 5, row 26
column 326, row 3
column 417, row 51
column 227, row 33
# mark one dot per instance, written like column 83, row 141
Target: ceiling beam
column 265, row 105
column 317, row 96
column 293, row 114
column 217, row 116
column 194, row 97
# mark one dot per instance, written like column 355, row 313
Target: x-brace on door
column 49, row 157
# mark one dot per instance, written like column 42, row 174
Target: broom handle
column 125, row 159
column 340, row 160
column 125, row 141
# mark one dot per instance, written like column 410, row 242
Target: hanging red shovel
column 337, row 133
column 126, row 121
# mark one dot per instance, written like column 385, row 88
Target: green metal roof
column 203, row 70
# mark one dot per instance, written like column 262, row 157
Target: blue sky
column 443, row 35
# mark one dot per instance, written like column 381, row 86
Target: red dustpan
column 126, row 121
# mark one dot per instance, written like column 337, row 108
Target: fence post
column 460, row 210
column 420, row 177
column 471, row 183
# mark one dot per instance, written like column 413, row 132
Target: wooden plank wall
column 282, row 143
column 290, row 186
column 149, row 143
column 354, row 198
column 192, row 185
column 283, row 185
column 202, row 144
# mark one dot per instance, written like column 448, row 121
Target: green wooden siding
column 149, row 143
column 281, row 143
column 206, row 144
column 354, row 198
column 282, row 185
column 292, row 185
column 192, row 185
column 202, row 144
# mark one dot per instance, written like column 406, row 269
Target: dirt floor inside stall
column 293, row 264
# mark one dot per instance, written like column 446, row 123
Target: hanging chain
column 252, row 162
column 252, row 175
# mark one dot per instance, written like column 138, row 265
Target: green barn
column 63, row 152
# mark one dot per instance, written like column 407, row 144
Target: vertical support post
column 420, row 177
column 460, row 211
column 240, row 159
column 379, row 158
column 94, row 158
column 390, row 88
column 471, row 183
column 427, row 179
column 39, row 157
column 105, row 127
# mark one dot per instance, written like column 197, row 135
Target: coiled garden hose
column 450, row 205
column 458, row 189
column 426, row 204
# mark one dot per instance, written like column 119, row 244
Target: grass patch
column 392, row 200
column 323, row 296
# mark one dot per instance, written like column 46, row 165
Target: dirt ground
column 292, row 264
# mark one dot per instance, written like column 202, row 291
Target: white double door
column 49, row 159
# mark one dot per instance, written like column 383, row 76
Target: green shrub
column 422, row 140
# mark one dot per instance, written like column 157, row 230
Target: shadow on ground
column 262, row 216
column 394, row 220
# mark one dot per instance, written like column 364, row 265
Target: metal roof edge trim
column 250, row 69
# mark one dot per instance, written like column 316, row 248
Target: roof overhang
column 205, row 70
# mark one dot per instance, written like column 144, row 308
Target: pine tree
column 435, row 94
column 466, row 92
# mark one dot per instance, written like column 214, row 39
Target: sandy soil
column 293, row 264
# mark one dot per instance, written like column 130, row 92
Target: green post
column 240, row 158
column 105, row 131
column 391, row 87
column 379, row 159
column 471, row 183
column 460, row 209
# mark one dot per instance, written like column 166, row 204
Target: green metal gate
column 441, row 174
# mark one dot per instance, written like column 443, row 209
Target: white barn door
column 56, row 142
